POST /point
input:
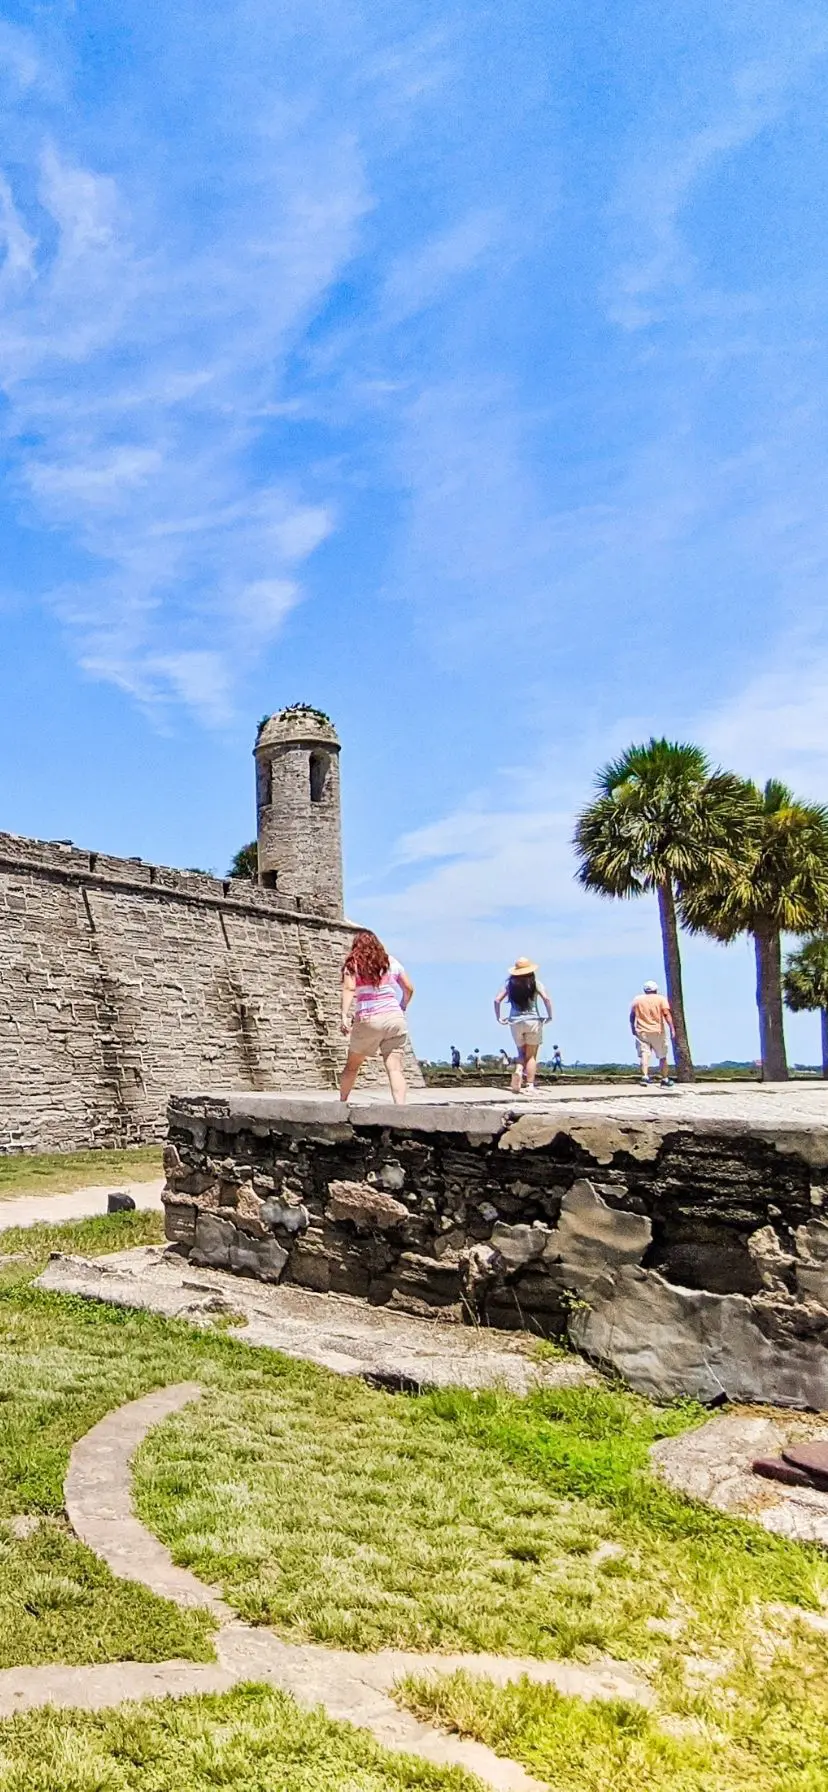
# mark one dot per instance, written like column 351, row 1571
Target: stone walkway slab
column 335, row 1331
column 713, row 1464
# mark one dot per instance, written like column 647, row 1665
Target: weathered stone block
column 310, row 1263
column 438, row 1284
column 363, row 1206
column 592, row 1240
column 520, row 1244
column 264, row 1258
column 213, row 1239
column 179, row 1221
column 348, row 1269
column 285, row 1215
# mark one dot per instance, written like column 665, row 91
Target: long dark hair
column 522, row 991
column 367, row 960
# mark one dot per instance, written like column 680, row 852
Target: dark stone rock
column 179, row 1221
column 812, row 1460
column 120, row 1202
column 775, row 1468
column 711, row 1259
column 264, row 1258
column 213, row 1239
column 438, row 1284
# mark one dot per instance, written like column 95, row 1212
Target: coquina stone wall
column 691, row 1257
column 121, row 982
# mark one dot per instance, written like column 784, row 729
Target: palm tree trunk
column 672, row 974
column 824, row 1021
column 769, row 1003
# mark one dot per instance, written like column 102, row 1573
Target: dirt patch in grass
column 59, row 1172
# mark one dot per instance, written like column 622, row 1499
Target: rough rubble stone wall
column 122, row 982
column 693, row 1258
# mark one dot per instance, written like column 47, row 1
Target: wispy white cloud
column 429, row 272
column 657, row 264
column 776, row 726
column 138, row 370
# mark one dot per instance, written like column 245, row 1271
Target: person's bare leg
column 353, row 1066
column 396, row 1077
column 517, row 1074
column 530, row 1064
column 645, row 1062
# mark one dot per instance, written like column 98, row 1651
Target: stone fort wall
column 122, row 983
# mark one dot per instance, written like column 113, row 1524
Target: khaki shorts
column 526, row 1032
column 385, row 1033
column 645, row 1043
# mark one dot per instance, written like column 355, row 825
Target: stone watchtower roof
column 298, row 724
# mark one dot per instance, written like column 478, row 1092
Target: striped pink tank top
column 375, row 999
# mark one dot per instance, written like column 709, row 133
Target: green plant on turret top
column 296, row 709
column 246, row 862
column 307, row 709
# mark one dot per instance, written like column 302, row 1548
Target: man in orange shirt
column 651, row 1020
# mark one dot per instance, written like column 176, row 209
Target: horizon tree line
column 723, row 858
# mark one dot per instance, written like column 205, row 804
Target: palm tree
column 805, row 984
column 777, row 883
column 660, row 817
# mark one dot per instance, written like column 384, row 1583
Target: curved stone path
column 350, row 1687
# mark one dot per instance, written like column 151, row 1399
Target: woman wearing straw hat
column 524, row 994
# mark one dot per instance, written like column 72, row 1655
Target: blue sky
column 460, row 369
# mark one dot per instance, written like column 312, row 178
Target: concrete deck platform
column 748, row 1104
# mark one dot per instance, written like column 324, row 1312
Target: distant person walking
column 455, row 1057
column 651, row 1021
column 557, row 1060
column 375, row 994
column 524, row 994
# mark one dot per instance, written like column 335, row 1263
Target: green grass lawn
column 751, row 1731
column 249, row 1740
column 59, row 1172
column 453, row 1520
column 342, row 1513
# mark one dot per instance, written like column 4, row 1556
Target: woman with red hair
column 375, row 995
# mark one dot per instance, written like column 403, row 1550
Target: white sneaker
column 528, row 1089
